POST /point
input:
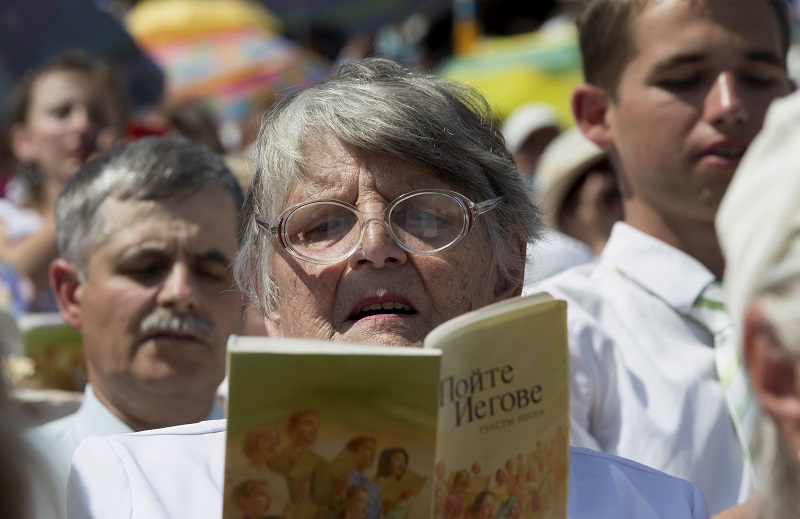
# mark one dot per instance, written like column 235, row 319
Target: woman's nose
column 378, row 246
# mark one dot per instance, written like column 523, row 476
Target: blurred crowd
column 226, row 65
column 73, row 105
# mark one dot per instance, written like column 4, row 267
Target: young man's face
column 691, row 100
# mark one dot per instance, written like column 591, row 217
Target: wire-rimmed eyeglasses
column 423, row 222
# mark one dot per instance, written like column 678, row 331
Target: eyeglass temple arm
column 269, row 226
column 487, row 205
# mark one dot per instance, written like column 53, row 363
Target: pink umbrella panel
column 237, row 71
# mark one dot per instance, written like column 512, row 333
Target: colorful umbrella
column 209, row 52
column 510, row 71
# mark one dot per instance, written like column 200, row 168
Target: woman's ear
column 506, row 287
column 271, row 327
column 774, row 373
column 272, row 320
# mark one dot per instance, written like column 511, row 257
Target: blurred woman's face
column 381, row 294
column 70, row 117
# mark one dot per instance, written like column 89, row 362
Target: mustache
column 163, row 319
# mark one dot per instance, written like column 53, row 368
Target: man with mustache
column 146, row 234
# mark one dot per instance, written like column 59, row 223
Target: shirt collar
column 659, row 268
column 97, row 418
column 100, row 421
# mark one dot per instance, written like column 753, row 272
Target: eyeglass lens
column 424, row 222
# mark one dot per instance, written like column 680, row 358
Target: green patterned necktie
column 709, row 310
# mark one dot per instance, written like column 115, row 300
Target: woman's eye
column 61, row 111
column 328, row 230
column 419, row 216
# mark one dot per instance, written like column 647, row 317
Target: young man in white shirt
column 759, row 230
column 675, row 91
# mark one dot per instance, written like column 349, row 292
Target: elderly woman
column 759, row 228
column 383, row 203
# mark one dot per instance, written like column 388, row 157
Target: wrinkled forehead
column 335, row 169
column 65, row 84
column 185, row 215
column 189, row 203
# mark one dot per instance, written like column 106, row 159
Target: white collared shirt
column 55, row 442
column 643, row 380
column 177, row 472
column 552, row 253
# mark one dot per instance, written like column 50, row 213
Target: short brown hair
column 605, row 29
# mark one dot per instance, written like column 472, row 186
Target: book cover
column 319, row 430
column 56, row 350
column 503, row 432
column 475, row 425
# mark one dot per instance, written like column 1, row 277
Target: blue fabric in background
column 33, row 31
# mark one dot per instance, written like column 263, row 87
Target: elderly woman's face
column 381, row 294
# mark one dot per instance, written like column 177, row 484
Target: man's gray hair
column 151, row 168
column 380, row 107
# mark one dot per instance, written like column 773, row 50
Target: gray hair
column 778, row 467
column 151, row 168
column 380, row 107
column 778, row 472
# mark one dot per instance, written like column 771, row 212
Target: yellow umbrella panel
column 511, row 71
